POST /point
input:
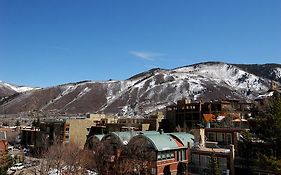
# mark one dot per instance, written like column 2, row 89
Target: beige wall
column 79, row 128
column 96, row 118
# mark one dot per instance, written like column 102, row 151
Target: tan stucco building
column 77, row 129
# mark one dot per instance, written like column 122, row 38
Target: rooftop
column 205, row 150
column 184, row 138
column 160, row 142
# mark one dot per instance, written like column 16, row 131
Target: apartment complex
column 77, row 129
column 39, row 138
column 186, row 115
column 224, row 136
column 204, row 150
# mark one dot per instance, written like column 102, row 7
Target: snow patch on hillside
column 83, row 92
column 266, row 95
column 18, row 89
column 277, row 72
column 223, row 74
column 69, row 89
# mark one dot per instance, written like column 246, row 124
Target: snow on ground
column 69, row 89
column 277, row 72
column 223, row 73
column 195, row 86
column 268, row 94
column 83, row 92
column 18, row 89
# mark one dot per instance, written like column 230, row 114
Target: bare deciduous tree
column 60, row 158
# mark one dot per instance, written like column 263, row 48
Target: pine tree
column 214, row 168
column 17, row 123
column 268, row 125
column 268, row 128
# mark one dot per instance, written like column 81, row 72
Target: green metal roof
column 184, row 137
column 124, row 137
column 161, row 142
column 148, row 132
column 99, row 136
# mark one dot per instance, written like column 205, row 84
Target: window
column 67, row 138
column 159, row 156
column 228, row 139
column 204, row 161
column 172, row 154
column 183, row 156
column 164, row 155
column 220, row 137
column 211, row 136
column 195, row 159
column 67, row 130
column 168, row 155
column 222, row 163
column 178, row 155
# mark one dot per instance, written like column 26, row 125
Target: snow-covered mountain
column 149, row 91
column 7, row 89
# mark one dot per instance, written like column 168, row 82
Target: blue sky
column 50, row 42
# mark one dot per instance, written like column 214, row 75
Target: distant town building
column 39, row 138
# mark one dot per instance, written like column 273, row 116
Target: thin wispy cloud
column 150, row 56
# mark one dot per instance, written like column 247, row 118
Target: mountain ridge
column 150, row 90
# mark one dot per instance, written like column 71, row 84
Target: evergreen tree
column 268, row 128
column 36, row 123
column 214, row 168
column 5, row 162
column 268, row 125
column 17, row 123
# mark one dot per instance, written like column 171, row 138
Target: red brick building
column 169, row 152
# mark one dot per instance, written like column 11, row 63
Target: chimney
column 199, row 136
column 232, row 157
